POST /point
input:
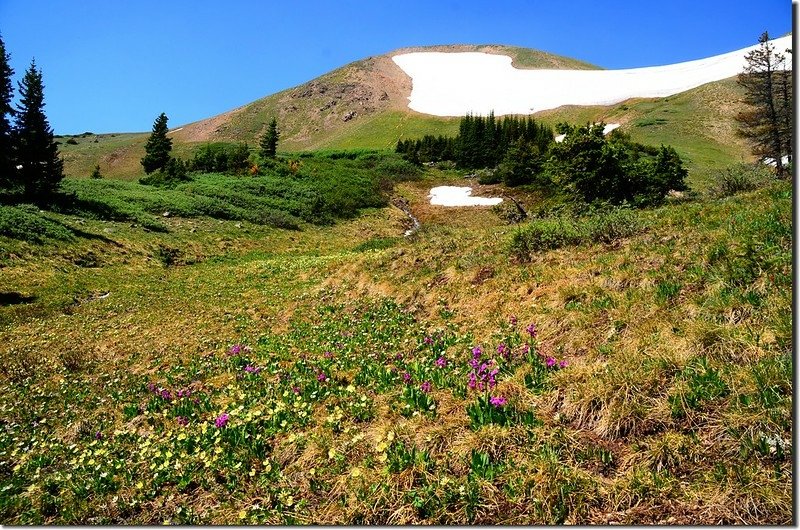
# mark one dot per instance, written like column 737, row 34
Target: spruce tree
column 764, row 123
column 7, row 164
column 158, row 146
column 269, row 142
column 41, row 168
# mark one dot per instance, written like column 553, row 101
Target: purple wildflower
column 166, row 395
column 425, row 387
column 504, row 350
column 428, row 340
column 250, row 369
column 221, row 420
column 183, row 422
column 441, row 362
column 550, row 362
column 98, row 435
column 406, row 377
column 321, row 377
column 328, row 355
column 296, row 389
column 236, row 349
column 512, row 320
column 563, row 364
column 476, row 352
column 473, row 382
column 151, row 387
column 525, row 349
column 498, row 401
column 531, row 329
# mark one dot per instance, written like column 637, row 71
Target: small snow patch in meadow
column 459, row 196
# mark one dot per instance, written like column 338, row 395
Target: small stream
column 402, row 203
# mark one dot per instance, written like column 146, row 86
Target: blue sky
column 113, row 65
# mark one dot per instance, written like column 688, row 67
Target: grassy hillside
column 224, row 372
column 363, row 104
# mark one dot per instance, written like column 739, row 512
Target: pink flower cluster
column 221, row 420
column 550, row 362
column 483, row 375
column 498, row 401
column 238, row 349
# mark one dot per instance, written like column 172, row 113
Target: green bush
column 26, row 223
column 604, row 226
column 739, row 178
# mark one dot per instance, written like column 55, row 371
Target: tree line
column 482, row 141
column 30, row 166
column 218, row 157
column 586, row 163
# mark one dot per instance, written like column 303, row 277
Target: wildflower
column 238, row 349
column 296, row 389
column 250, row 369
column 504, row 350
column 476, row 352
column 406, row 377
column 441, row 362
column 525, row 349
column 473, row 382
column 563, row 364
column 165, row 394
column 550, row 362
column 221, row 420
column 498, row 401
column 428, row 340
column 512, row 320
column 151, row 387
column 98, row 435
column 327, row 355
column 321, row 377
column 425, row 387
column 531, row 329
column 183, row 422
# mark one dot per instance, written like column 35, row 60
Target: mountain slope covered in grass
column 364, row 105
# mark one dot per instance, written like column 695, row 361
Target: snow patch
column 454, row 84
column 459, row 196
column 607, row 129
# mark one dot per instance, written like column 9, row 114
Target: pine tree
column 158, row 146
column 768, row 96
column 36, row 152
column 269, row 142
column 7, row 164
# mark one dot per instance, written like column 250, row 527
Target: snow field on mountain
column 454, row 84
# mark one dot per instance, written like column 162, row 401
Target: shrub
column 603, row 226
column 739, row 178
column 25, row 223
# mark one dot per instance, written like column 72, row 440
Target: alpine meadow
column 550, row 294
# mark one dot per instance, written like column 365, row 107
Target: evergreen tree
column 96, row 172
column 158, row 146
column 36, row 152
column 269, row 142
column 768, row 95
column 7, row 164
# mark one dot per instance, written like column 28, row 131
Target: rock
column 349, row 116
column 238, row 225
column 166, row 214
column 384, row 96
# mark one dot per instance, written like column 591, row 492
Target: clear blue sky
column 114, row 65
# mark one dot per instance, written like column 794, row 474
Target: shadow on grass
column 14, row 298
